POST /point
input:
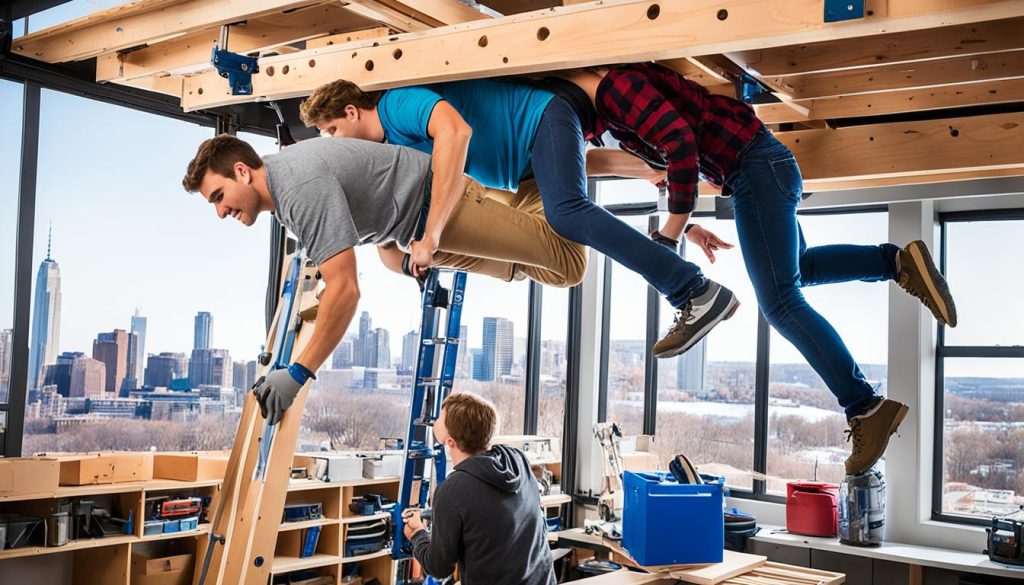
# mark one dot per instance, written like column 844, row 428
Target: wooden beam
column 937, row 73
column 379, row 12
column 782, row 112
column 115, row 30
column 443, row 11
column 887, row 49
column 191, row 52
column 823, row 185
column 916, row 100
column 951, row 145
column 348, row 37
column 561, row 38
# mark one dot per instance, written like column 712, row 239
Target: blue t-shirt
column 503, row 116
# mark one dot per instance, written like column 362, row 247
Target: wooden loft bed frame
column 915, row 91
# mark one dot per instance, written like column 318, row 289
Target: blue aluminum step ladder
column 435, row 373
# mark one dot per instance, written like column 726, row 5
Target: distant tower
column 138, row 352
column 45, row 318
column 203, row 331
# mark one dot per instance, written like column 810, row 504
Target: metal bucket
column 862, row 509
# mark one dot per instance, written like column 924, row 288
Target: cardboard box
column 640, row 461
column 336, row 467
column 173, row 570
column 28, row 477
column 193, row 466
column 102, row 468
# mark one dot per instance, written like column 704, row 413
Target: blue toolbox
column 668, row 523
column 302, row 512
column 363, row 538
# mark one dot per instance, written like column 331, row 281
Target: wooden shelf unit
column 107, row 560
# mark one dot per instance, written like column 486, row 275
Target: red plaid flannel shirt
column 672, row 122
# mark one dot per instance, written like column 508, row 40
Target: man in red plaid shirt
column 674, row 123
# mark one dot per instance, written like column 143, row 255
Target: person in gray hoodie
column 487, row 517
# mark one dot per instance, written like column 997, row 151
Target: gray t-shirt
column 335, row 193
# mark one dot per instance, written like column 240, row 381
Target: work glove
column 665, row 241
column 407, row 270
column 276, row 391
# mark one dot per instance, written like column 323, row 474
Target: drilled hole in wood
column 200, row 91
column 483, row 41
column 954, row 132
column 723, row 14
column 653, row 11
column 397, row 54
column 504, row 59
column 871, row 138
column 543, row 33
column 312, row 63
column 446, row 63
column 270, row 71
column 285, row 70
column 369, row 64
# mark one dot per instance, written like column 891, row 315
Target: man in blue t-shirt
column 518, row 136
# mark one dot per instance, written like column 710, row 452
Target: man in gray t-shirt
column 336, row 193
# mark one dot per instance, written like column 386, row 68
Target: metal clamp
column 839, row 10
column 238, row 69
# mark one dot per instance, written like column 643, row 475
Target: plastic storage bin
column 668, row 523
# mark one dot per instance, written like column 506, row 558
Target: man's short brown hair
column 329, row 100
column 471, row 421
column 219, row 155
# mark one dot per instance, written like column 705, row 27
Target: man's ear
column 352, row 112
column 242, row 172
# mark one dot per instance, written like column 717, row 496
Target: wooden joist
column 893, row 102
column 903, row 149
column 191, row 53
column 348, row 37
column 565, row 37
column 886, row 49
column 936, row 73
column 140, row 23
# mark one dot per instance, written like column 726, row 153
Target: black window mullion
column 532, row 402
column 606, row 314
column 762, row 368
column 651, row 362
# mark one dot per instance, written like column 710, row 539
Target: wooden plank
column 902, row 47
column 125, row 30
column 348, row 37
column 915, row 100
column 733, row 564
column 936, row 73
column 910, row 148
column 443, row 11
column 191, row 53
column 562, row 38
column 388, row 16
column 166, row 84
column 782, row 112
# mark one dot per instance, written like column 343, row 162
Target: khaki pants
column 505, row 235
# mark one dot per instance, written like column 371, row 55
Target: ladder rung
column 440, row 341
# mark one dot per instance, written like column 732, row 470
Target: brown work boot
column 870, row 433
column 919, row 277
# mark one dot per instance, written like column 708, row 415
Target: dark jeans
column 559, row 165
column 766, row 191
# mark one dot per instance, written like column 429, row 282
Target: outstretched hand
column 422, row 252
column 707, row 241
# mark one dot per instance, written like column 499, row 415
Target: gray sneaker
column 697, row 317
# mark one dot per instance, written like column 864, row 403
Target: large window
column 11, row 95
column 805, row 422
column 706, row 395
column 553, row 361
column 141, row 296
column 979, row 470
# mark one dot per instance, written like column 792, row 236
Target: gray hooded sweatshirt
column 488, row 519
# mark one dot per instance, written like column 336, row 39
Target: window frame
column 762, row 355
column 943, row 351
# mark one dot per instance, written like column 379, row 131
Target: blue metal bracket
column 238, row 69
column 748, row 88
column 839, row 10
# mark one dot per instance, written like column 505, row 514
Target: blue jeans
column 766, row 191
column 559, row 165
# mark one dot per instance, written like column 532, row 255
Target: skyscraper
column 410, row 350
column 210, row 367
column 464, row 361
column 88, row 377
column 162, row 369
column 690, row 372
column 138, row 346
column 45, row 318
column 112, row 349
column 59, row 374
column 362, row 348
column 203, row 336
column 341, row 359
column 383, row 350
column 6, row 346
column 497, row 350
